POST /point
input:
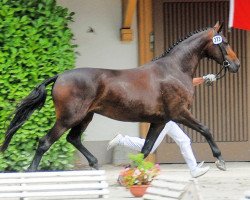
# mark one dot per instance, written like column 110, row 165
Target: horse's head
column 219, row 50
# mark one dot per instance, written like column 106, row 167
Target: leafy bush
column 35, row 43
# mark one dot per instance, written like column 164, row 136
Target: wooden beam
column 146, row 53
column 145, row 29
column 126, row 34
column 128, row 14
column 129, row 10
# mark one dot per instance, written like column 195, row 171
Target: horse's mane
column 176, row 43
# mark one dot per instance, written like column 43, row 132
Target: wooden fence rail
column 60, row 185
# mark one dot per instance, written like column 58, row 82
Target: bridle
column 218, row 40
column 225, row 63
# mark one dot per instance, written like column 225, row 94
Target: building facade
column 147, row 28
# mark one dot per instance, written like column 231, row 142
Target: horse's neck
column 190, row 52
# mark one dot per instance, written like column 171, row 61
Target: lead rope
column 218, row 76
column 209, row 81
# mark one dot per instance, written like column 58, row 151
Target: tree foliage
column 35, row 44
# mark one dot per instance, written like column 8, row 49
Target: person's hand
column 209, row 79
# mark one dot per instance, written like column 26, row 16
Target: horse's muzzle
column 234, row 66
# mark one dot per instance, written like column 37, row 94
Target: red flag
column 239, row 16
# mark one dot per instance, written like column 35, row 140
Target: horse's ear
column 218, row 27
column 221, row 26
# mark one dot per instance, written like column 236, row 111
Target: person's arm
column 208, row 79
column 198, row 81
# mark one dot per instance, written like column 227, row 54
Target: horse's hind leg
column 188, row 120
column 45, row 143
column 74, row 137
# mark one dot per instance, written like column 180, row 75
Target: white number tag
column 217, row 39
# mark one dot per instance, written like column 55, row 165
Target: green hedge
column 35, row 43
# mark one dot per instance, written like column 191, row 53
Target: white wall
column 103, row 49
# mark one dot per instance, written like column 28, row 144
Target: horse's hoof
column 95, row 166
column 220, row 164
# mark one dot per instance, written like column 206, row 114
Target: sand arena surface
column 214, row 185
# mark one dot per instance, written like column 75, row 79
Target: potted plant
column 138, row 175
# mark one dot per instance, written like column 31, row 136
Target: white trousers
column 172, row 130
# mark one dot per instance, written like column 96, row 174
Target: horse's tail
column 35, row 100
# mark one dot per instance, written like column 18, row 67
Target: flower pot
column 138, row 190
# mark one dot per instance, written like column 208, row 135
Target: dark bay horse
column 157, row 92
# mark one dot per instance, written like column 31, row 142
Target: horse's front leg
column 153, row 133
column 187, row 119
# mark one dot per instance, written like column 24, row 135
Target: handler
column 174, row 131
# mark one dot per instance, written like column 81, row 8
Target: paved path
column 215, row 185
